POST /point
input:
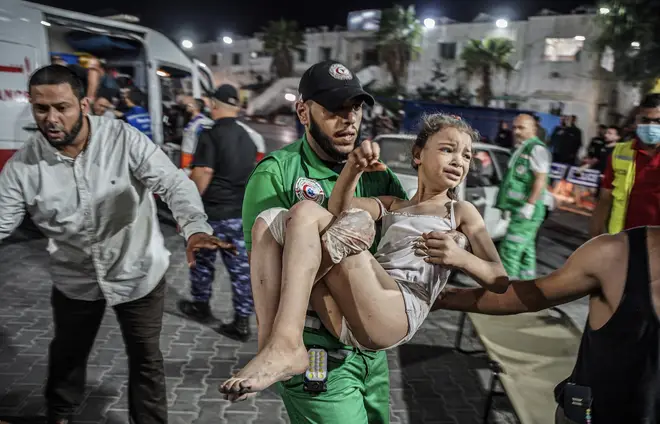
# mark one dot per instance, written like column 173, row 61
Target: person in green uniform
column 330, row 108
column 522, row 195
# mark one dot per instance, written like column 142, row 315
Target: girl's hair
column 434, row 123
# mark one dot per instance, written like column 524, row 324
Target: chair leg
column 491, row 393
column 459, row 333
column 459, row 337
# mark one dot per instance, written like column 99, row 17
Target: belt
column 315, row 323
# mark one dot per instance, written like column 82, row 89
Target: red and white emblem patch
column 307, row 189
column 340, row 72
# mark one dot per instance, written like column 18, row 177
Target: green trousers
column 518, row 249
column 358, row 387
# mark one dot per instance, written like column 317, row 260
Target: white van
column 30, row 33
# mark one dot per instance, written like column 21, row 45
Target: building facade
column 557, row 68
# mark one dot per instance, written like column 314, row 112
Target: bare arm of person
column 93, row 78
column 540, row 181
column 363, row 159
column 579, row 277
column 204, row 160
column 540, row 161
column 483, row 264
column 598, row 223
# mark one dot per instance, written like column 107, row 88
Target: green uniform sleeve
column 263, row 191
column 395, row 188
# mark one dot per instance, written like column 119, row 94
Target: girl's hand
column 365, row 158
column 440, row 248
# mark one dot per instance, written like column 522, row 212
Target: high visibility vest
column 519, row 179
column 623, row 167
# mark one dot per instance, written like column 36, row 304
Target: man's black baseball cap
column 227, row 94
column 331, row 85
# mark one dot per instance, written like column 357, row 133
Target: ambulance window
column 206, row 79
column 173, row 81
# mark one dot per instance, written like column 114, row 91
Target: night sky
column 202, row 20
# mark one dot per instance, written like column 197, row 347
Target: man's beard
column 69, row 137
column 325, row 142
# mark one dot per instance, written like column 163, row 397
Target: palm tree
column 484, row 58
column 398, row 36
column 280, row 40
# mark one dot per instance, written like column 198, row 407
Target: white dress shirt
column 98, row 210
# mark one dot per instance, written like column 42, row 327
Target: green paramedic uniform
column 518, row 249
column 358, row 386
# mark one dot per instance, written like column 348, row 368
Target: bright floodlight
column 290, row 97
column 429, row 23
column 501, row 23
column 187, row 44
column 227, row 40
column 579, row 38
column 634, row 44
column 45, row 23
column 604, row 10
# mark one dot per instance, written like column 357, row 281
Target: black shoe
column 59, row 420
column 199, row 311
column 239, row 329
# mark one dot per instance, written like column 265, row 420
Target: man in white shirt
column 87, row 184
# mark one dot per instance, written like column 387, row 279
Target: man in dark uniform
column 224, row 158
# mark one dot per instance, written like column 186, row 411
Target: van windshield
column 396, row 154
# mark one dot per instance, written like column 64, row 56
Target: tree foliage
column 398, row 36
column 483, row 58
column 631, row 29
column 281, row 39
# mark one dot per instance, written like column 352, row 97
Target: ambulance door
column 24, row 49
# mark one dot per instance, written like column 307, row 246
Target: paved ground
column 431, row 383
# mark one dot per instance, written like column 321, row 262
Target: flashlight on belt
column 316, row 376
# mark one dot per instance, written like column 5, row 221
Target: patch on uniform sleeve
column 307, row 189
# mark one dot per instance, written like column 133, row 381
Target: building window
column 214, row 59
column 562, row 49
column 302, row 55
column 236, row 59
column 326, row 53
column 447, row 50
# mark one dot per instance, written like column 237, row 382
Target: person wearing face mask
column 630, row 190
column 87, row 184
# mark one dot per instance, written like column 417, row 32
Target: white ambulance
column 30, row 33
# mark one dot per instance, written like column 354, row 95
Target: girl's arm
column 483, row 264
column 343, row 197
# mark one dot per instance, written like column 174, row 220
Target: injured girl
column 368, row 302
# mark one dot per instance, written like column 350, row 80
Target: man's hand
column 527, row 211
column 204, row 241
column 365, row 158
column 440, row 248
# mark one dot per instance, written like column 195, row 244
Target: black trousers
column 76, row 325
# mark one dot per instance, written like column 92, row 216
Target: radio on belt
column 316, row 376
